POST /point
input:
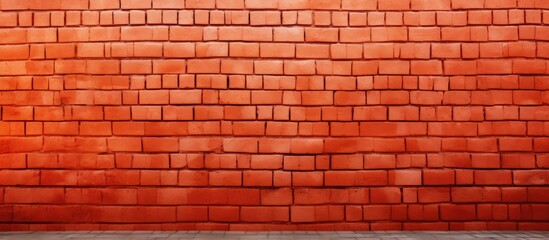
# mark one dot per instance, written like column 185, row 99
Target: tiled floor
column 108, row 235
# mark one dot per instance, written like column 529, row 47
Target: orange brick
column 219, row 114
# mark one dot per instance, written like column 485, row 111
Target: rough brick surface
column 274, row 114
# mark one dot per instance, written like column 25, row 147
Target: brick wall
column 274, row 114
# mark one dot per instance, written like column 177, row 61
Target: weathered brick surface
column 274, row 114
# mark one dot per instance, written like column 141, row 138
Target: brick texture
column 274, row 114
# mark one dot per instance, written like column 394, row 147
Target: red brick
column 347, row 162
column 274, row 145
column 423, row 212
column 258, row 178
column 244, row 196
column 266, row 162
column 433, row 195
column 299, row 163
column 526, row 97
column 359, row 4
column 446, row 50
column 532, row 177
column 344, row 129
column 34, row 195
column 61, row 128
column 424, row 34
column 185, row 96
column 539, row 212
column 355, row 35
column 235, row 97
column 14, row 5
column 321, row 35
column 135, row 4
column 456, row 160
column 122, row 177
column 499, row 33
column 249, row 128
column 307, row 179
column 317, row 98
column 396, row 5
column 278, row 196
column 405, row 177
column 225, row 178
column 379, row 50
column 360, row 178
column 169, row 66
column 167, row 4
column 154, row 214
column 224, row 214
column 379, row 161
column 13, row 161
column 389, row 145
column 430, row 5
column 230, row 4
column 312, row 51
column 392, row 129
column 14, row 52
column 438, row 177
column 457, row 212
column 193, row 178
column 386, row 34
column 515, row 144
column 179, row 50
column 192, row 213
column 150, row 161
column 268, row 67
column 518, row 161
column 370, row 113
column 240, row 112
column 377, row 212
column 426, row 68
column 302, row 214
column 395, row 97
column 513, row 194
column 121, row 144
column 79, row 144
column 186, row 33
column 14, row 177
column 394, row 67
column 460, row 67
column 493, row 177
column 17, row 113
column 13, row 36
column 307, row 146
column 537, row 194
column 485, row 161
column 304, row 67
column 237, row 66
column 136, row 67
column 160, row 145
column 265, row 214
column 385, row 195
column 541, row 144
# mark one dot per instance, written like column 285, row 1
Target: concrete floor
column 205, row 235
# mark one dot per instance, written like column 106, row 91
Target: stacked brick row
column 274, row 114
